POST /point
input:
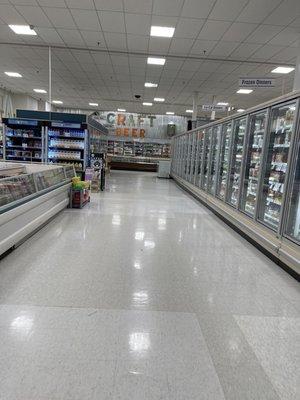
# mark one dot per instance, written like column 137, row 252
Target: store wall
column 24, row 102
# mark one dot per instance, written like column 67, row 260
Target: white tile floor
column 144, row 294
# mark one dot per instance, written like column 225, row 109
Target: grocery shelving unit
column 67, row 143
column 23, row 140
column 246, row 168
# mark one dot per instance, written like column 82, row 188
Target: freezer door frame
column 223, row 140
column 260, row 207
column 208, row 131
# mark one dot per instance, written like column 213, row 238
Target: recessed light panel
column 121, row 110
column 162, row 31
column 170, row 113
column 22, row 29
column 283, row 70
column 13, row 74
column 40, row 90
column 94, row 104
column 159, row 99
column 222, row 103
column 240, row 110
column 150, row 84
column 245, row 91
column 57, row 102
column 147, row 104
column 189, row 111
column 156, row 61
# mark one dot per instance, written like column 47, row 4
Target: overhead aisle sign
column 213, row 107
column 256, row 82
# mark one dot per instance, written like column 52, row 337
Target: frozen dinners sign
column 213, row 107
column 256, row 82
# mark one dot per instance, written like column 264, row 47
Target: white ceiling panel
column 82, row 4
column 159, row 45
column 201, row 46
column 86, row 19
column 34, row 16
column 188, row 27
column 10, row 15
column 109, row 5
column 138, row 6
column 213, row 30
column 286, row 54
column 266, row 52
column 257, row 10
column 112, row 21
column 138, row 24
column 224, row 49
column 245, row 50
column 60, row 17
column 71, row 37
column 197, row 8
column 285, row 13
column 52, row 3
column 50, row 35
column 93, row 38
column 115, row 41
column 238, row 31
column 227, row 10
column 263, row 33
column 167, row 7
column 137, row 43
column 181, row 46
column 286, row 37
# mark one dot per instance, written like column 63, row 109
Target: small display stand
column 79, row 198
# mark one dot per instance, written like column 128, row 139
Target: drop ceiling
column 100, row 49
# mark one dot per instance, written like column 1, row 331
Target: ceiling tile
column 245, row 50
column 71, row 36
column 167, row 7
column 224, row 49
column 213, row 30
column 34, row 16
column 137, row 43
column 257, row 10
column 159, row 45
column 49, row 35
column 138, row 24
column 112, row 21
column 10, row 15
column 138, row 6
column 188, row 27
column 238, row 32
column 263, row 33
column 93, row 38
column 60, row 17
column 191, row 65
column 285, row 13
column 115, row 41
column 197, row 8
column 286, row 37
column 201, row 46
column 266, row 52
column 180, row 46
column 286, row 54
column 227, row 10
column 83, row 5
column 86, row 19
column 109, row 5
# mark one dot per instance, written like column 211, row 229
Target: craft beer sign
column 256, row 82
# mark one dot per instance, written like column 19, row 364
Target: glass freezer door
column 200, row 142
column 192, row 157
column 206, row 158
column 239, row 130
column 253, row 162
column 293, row 222
column 215, row 151
column 224, row 161
column 277, row 153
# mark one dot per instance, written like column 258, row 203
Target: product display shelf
column 24, row 140
column 137, row 148
column 67, row 144
column 257, row 164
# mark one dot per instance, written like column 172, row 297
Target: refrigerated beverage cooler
column 246, row 168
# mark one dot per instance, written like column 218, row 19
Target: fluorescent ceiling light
column 283, row 70
column 170, row 113
column 57, row 102
column 189, row 111
column 40, row 90
column 13, row 74
column 150, row 84
column 245, row 91
column 22, row 29
column 159, row 99
column 147, row 104
column 240, row 110
column 162, row 31
column 222, row 103
column 156, row 61
column 94, row 104
column 121, row 110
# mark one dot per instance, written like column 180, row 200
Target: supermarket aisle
column 145, row 294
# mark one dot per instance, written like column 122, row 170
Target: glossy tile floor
column 144, row 294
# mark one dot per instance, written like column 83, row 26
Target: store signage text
column 213, row 107
column 256, row 82
column 129, row 119
column 133, row 132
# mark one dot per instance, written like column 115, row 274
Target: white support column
column 195, row 106
column 297, row 74
column 50, row 79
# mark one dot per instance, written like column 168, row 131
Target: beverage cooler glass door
column 293, row 221
column 206, row 158
column 239, row 130
column 194, row 154
column 224, row 161
column 191, row 157
column 199, row 157
column 253, row 162
column 277, row 153
column 186, row 148
column 215, row 152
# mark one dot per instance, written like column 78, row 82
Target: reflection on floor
column 144, row 294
